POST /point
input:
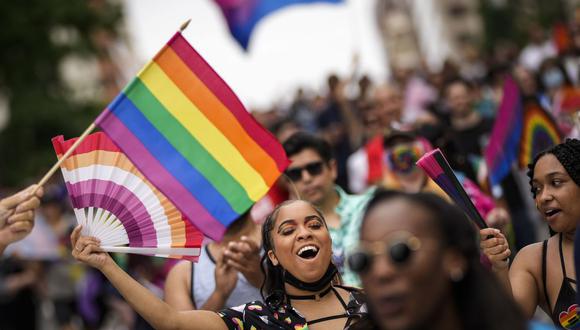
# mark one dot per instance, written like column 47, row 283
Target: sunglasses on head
column 295, row 173
column 399, row 250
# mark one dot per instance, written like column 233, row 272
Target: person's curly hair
column 567, row 153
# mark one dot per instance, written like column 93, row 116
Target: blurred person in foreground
column 17, row 215
column 419, row 264
column 312, row 172
column 542, row 274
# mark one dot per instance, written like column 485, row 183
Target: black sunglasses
column 399, row 250
column 313, row 169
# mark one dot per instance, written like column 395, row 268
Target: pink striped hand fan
column 117, row 204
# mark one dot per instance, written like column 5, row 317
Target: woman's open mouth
column 550, row 214
column 308, row 252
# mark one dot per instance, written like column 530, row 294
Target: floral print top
column 257, row 315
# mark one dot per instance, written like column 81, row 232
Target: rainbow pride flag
column 502, row 149
column 243, row 15
column 188, row 133
column 540, row 131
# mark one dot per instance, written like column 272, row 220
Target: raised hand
column 495, row 246
column 226, row 279
column 87, row 249
column 17, row 215
column 244, row 256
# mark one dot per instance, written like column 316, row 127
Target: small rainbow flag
column 540, row 131
column 188, row 133
column 502, row 149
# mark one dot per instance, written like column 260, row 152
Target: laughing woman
column 300, row 290
column 542, row 274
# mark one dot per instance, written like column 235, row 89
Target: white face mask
column 552, row 78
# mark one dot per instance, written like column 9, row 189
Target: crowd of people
column 354, row 235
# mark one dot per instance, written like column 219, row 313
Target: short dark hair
column 567, row 153
column 300, row 141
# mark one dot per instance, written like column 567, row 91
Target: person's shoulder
column 181, row 268
column 529, row 258
column 531, row 251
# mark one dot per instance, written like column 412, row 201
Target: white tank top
column 203, row 284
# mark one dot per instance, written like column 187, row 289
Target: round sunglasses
column 399, row 249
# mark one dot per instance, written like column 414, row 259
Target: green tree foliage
column 511, row 19
column 39, row 103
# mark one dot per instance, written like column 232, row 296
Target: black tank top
column 564, row 314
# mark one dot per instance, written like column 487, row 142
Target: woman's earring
column 456, row 275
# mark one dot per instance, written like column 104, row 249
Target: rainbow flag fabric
column 189, row 134
column 540, row 131
column 502, row 149
column 243, row 15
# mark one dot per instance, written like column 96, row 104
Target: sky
column 297, row 46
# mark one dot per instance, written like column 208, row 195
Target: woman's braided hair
column 567, row 153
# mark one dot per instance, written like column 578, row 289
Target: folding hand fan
column 117, row 204
column 437, row 168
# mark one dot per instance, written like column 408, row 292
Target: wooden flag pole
column 55, row 167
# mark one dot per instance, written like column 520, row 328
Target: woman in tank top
column 542, row 273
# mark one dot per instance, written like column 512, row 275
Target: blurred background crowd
column 62, row 62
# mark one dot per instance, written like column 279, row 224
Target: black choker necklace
column 317, row 286
column 311, row 296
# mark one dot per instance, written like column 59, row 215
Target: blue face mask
column 553, row 78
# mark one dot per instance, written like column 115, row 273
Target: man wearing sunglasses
column 311, row 176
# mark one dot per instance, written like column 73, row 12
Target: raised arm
column 178, row 287
column 496, row 248
column 523, row 271
column 158, row 313
column 519, row 279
